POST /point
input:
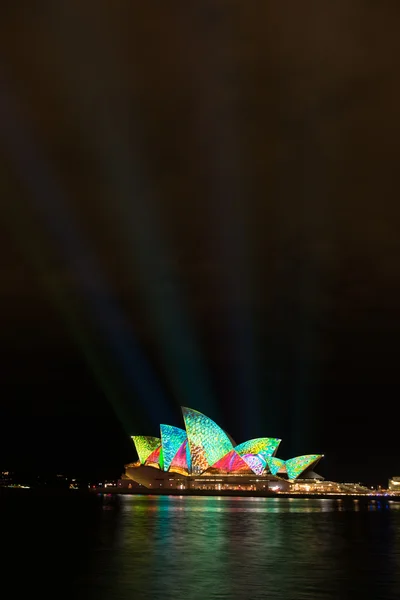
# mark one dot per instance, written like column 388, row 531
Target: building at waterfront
column 202, row 456
column 394, row 484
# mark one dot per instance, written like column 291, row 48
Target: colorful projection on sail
column 145, row 445
column 266, row 446
column 205, row 446
column 296, row 466
column 172, row 439
column 207, row 441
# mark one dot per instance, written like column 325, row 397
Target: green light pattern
column 296, row 466
column 207, row 441
column 172, row 439
column 275, row 464
column 145, row 445
column 265, row 446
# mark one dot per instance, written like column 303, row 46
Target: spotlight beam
column 138, row 231
column 50, row 204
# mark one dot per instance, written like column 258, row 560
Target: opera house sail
column 203, row 456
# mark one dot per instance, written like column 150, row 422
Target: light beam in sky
column 138, row 231
column 51, row 205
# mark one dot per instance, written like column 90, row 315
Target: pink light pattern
column 256, row 463
column 180, row 458
column 231, row 462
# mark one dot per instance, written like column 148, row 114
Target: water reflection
column 219, row 547
column 149, row 547
column 248, row 505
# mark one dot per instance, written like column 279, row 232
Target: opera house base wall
column 154, row 479
column 149, row 480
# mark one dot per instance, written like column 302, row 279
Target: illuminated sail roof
column 145, row 445
column 296, row 466
column 204, row 445
column 256, row 463
column 182, row 459
column 231, row 463
column 207, row 441
column 172, row 439
column 265, row 445
column 275, row 465
column 156, row 457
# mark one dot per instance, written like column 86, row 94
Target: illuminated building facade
column 203, row 456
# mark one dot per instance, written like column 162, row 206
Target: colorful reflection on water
column 207, row 548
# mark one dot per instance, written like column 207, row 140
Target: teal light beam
column 139, row 233
column 50, row 204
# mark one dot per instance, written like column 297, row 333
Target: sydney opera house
column 204, row 457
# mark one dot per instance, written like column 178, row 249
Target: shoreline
column 100, row 492
column 248, row 494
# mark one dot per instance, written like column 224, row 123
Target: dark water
column 172, row 547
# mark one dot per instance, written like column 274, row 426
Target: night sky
column 199, row 206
